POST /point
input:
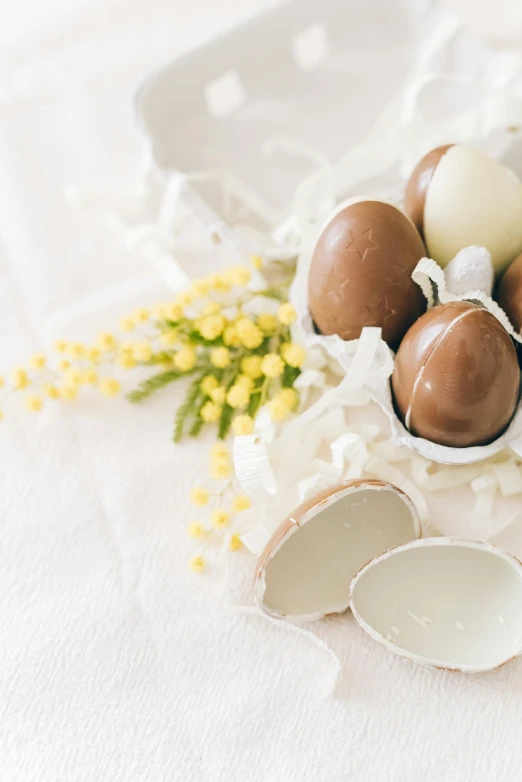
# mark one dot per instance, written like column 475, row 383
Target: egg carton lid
column 290, row 71
column 265, row 141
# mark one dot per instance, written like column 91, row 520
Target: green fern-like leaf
column 160, row 358
column 153, row 384
column 196, row 338
column 253, row 404
column 290, row 375
column 186, row 409
column 196, row 427
column 225, row 421
column 278, row 293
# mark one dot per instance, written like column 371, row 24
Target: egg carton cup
column 368, row 362
column 443, row 454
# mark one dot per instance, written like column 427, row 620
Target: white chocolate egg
column 442, row 602
column 463, row 197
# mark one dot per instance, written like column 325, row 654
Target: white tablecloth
column 116, row 663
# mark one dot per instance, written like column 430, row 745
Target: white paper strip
column 256, row 539
column 427, row 271
column 252, row 467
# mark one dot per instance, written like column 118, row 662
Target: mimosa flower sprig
column 237, row 360
column 219, row 506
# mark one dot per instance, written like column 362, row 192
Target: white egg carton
column 316, row 71
column 310, row 79
column 313, row 78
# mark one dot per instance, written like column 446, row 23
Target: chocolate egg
column 360, row 273
column 509, row 293
column 456, row 377
column 458, row 196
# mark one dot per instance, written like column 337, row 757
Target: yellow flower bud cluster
column 249, row 334
column 283, row 403
column 220, row 462
column 211, row 326
column 61, row 379
column 185, row 358
column 221, row 516
column 238, row 360
column 242, row 425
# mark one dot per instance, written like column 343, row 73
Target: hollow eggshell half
column 443, row 602
column 307, row 566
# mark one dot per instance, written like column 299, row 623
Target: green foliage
column 254, row 403
column 154, row 383
column 290, row 375
column 225, row 421
column 187, row 409
column 160, row 358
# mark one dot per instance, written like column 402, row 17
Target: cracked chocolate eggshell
column 456, row 376
column 360, row 273
column 307, row 566
column 509, row 293
column 459, row 196
column 442, row 602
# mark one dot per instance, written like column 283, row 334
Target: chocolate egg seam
column 427, row 359
column 456, row 378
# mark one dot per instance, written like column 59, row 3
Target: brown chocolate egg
column 459, row 197
column 418, row 183
column 360, row 273
column 509, row 293
column 456, row 377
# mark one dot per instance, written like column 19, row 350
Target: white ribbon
column 327, row 475
column 256, row 539
column 427, row 272
column 290, row 627
column 253, row 469
column 372, row 363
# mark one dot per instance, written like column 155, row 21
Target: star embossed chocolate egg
column 458, row 196
column 456, row 377
column 360, row 273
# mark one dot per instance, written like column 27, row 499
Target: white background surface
column 116, row 663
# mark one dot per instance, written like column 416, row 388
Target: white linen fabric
column 116, row 663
